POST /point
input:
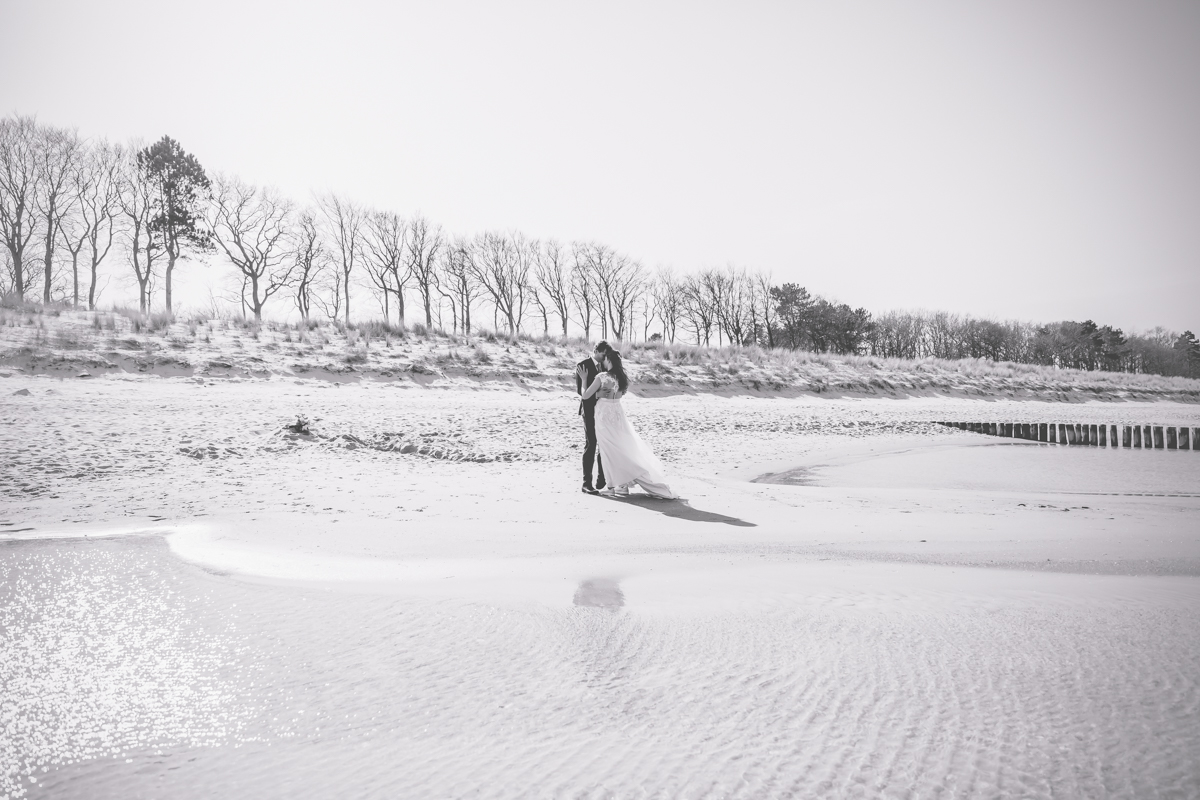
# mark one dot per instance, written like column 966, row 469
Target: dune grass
column 32, row 333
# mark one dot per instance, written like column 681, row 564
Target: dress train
column 627, row 459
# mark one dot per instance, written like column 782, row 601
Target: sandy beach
column 414, row 599
column 882, row 315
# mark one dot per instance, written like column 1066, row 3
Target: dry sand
column 415, row 600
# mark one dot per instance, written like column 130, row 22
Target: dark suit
column 587, row 409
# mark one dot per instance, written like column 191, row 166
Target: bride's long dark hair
column 617, row 369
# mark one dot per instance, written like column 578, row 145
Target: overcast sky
column 1030, row 160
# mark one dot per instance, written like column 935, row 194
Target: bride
column 627, row 459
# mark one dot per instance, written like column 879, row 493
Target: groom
column 587, row 409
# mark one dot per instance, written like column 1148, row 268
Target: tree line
column 72, row 210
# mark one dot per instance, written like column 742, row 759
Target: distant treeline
column 74, row 211
column 1078, row 345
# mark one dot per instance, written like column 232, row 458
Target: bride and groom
column 623, row 459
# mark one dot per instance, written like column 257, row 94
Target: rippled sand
column 906, row 611
column 158, row 679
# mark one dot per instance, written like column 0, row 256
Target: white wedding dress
column 625, row 456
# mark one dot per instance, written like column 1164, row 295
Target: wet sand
column 894, row 610
column 143, row 676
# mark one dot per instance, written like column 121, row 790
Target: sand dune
column 68, row 343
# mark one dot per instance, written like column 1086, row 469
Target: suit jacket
column 586, row 406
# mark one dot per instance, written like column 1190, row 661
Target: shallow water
column 984, row 465
column 127, row 673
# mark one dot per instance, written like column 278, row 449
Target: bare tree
column 730, row 290
column 526, row 251
column 591, row 262
column 553, row 275
column 668, row 298
column 309, row 258
column 615, row 279
column 583, row 290
column 251, row 226
column 898, row 334
column 95, row 195
column 102, row 209
column 73, row 228
column 57, row 152
column 766, row 314
column 711, row 284
column 543, row 309
column 384, row 254
column 503, row 271
column 622, row 292
column 18, row 192
column 697, row 310
column 7, row 276
column 143, row 242
column 329, row 292
column 459, row 282
column 344, row 221
column 425, row 242
column 649, row 312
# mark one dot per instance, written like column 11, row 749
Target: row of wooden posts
column 1157, row 437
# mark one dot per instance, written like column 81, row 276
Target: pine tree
column 180, row 189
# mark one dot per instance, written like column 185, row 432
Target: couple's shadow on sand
column 679, row 509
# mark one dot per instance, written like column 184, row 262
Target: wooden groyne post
column 1156, row 437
